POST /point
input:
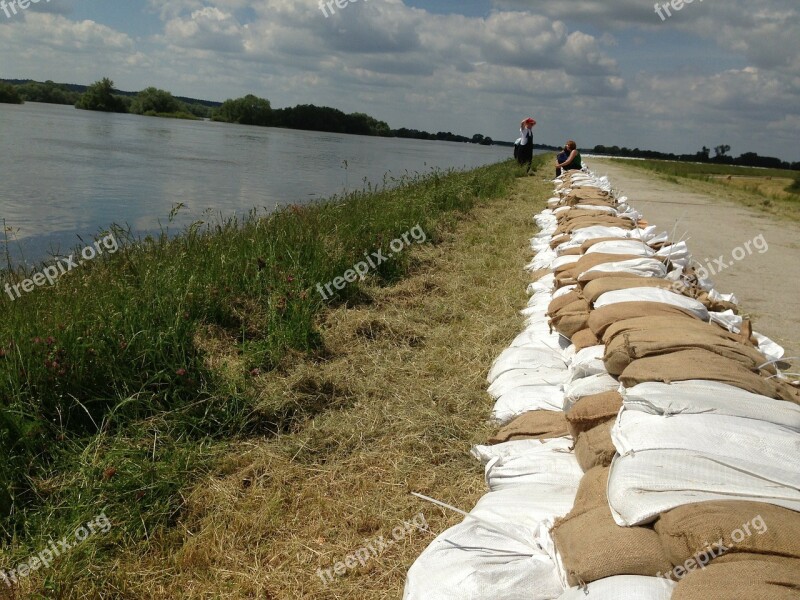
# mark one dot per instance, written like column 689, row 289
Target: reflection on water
column 67, row 173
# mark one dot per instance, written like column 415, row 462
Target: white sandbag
column 514, row 378
column 730, row 321
column 567, row 259
column 528, row 339
column 588, row 386
column 526, row 505
column 643, row 267
column 651, row 294
column 623, row 587
column 537, row 310
column 585, row 234
column 626, row 246
column 472, row 562
column 525, row 398
column 586, row 362
column 600, row 209
column 543, row 284
column 543, row 260
column 663, row 463
column 524, row 358
column 722, row 436
column 768, row 348
column 528, row 462
column 700, row 397
column 564, row 290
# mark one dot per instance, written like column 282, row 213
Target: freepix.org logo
column 10, row 6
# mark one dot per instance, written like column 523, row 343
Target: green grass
column 702, row 170
column 111, row 397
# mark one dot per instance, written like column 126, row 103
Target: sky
column 611, row 72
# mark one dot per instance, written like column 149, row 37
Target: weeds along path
column 766, row 283
column 405, row 375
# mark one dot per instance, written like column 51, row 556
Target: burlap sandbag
column 590, row 221
column 533, row 425
column 681, row 323
column 594, row 448
column 591, row 411
column 742, row 580
column 601, row 318
column 570, row 251
column 559, row 239
column 557, row 304
column 624, row 348
column 742, row 526
column 702, row 364
column 592, row 290
column 578, row 213
column 592, row 546
column 570, row 319
column 585, row 338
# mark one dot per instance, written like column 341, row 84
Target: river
column 68, row 174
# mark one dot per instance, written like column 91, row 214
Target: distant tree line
column 252, row 110
column 748, row 159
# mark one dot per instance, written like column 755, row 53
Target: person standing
column 525, row 153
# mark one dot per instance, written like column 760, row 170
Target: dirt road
column 765, row 281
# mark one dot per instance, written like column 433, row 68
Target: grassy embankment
column 776, row 191
column 153, row 385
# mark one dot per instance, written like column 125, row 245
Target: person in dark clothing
column 525, row 151
column 573, row 161
column 561, row 158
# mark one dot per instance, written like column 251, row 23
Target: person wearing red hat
column 525, row 151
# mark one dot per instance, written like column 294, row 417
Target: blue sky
column 716, row 71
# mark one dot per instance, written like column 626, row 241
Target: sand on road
column 767, row 284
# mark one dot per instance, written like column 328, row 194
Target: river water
column 68, row 174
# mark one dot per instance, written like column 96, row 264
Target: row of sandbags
column 596, row 487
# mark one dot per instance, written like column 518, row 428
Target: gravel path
column 766, row 280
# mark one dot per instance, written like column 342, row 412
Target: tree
column 9, row 95
column 154, row 100
column 702, row 156
column 721, row 150
column 99, row 96
column 249, row 110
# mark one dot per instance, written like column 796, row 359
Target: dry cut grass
column 397, row 401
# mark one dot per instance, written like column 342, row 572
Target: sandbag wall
column 649, row 443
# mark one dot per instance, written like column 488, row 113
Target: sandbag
column 742, row 580
column 591, row 411
column 601, row 318
column 650, row 294
column 648, row 323
column 752, row 527
column 593, row 289
column 563, row 300
column 623, row 349
column 622, row 587
column 592, row 546
column 523, row 398
column 637, row 267
column 702, row 397
column 594, row 447
column 588, row 261
column 702, row 364
column 537, row 424
column 585, row 338
column 663, row 463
